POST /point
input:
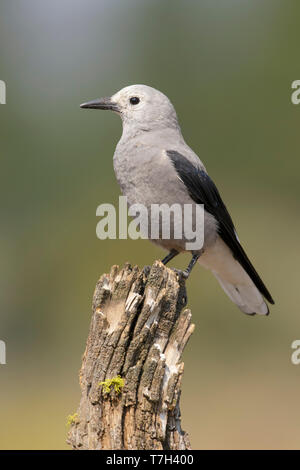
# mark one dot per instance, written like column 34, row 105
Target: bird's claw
column 181, row 273
column 184, row 301
column 147, row 270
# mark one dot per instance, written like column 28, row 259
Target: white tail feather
column 243, row 297
column 233, row 279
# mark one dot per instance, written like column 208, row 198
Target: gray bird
column 154, row 165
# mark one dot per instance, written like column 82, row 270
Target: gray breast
column 146, row 176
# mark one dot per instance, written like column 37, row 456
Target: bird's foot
column 182, row 274
column 147, row 270
column 182, row 277
column 184, row 300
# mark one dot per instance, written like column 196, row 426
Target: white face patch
column 141, row 106
column 123, row 97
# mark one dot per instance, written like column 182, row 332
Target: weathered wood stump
column 138, row 331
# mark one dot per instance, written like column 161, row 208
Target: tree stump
column 138, row 332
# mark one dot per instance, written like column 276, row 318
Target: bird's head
column 139, row 106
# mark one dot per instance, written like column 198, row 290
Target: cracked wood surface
column 138, row 331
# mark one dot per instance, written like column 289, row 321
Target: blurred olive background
column 228, row 67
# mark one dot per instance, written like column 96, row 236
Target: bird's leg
column 192, row 263
column 185, row 274
column 170, row 256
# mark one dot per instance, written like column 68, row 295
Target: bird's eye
column 134, row 100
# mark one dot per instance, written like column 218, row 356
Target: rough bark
column 138, row 331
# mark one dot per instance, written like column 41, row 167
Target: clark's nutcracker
column 154, row 165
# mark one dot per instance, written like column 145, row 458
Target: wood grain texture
column 138, row 331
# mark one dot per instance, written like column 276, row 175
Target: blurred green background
column 227, row 66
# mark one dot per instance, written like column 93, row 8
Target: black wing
column 203, row 191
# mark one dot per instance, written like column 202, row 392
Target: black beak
column 102, row 103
